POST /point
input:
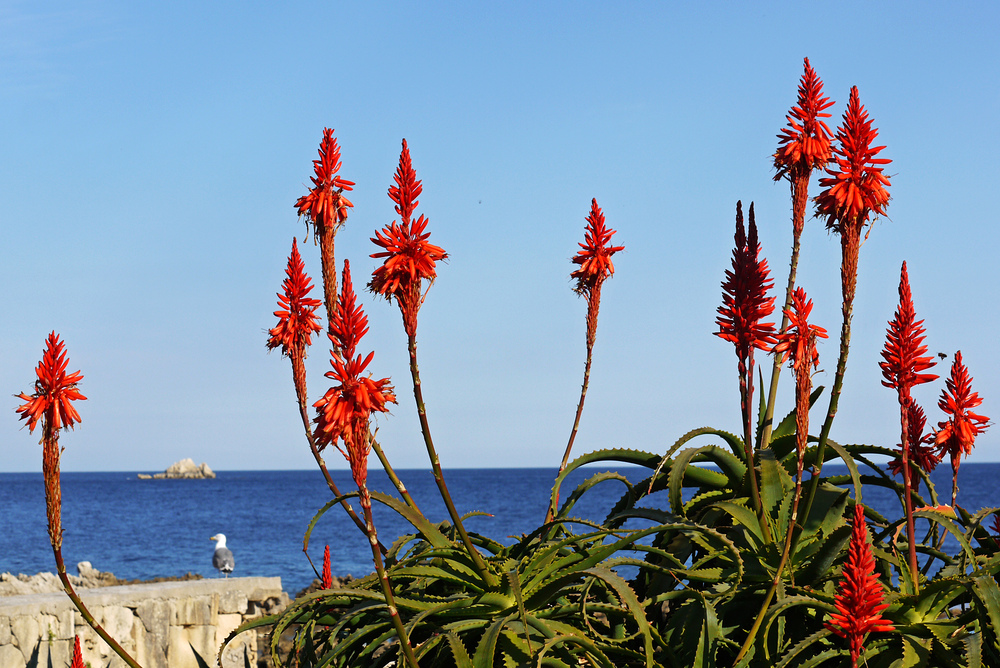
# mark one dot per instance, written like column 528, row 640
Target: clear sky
column 152, row 153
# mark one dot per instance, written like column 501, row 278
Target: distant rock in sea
column 185, row 468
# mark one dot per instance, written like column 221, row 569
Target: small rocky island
column 184, row 469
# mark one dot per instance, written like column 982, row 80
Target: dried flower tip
column 921, row 455
column 744, row 294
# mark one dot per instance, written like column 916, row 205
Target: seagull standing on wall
column 222, row 559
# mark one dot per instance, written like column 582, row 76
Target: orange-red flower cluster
column 594, row 257
column 856, row 185
column 297, row 319
column 805, row 143
column 903, row 356
column 744, row 294
column 327, row 576
column 408, row 257
column 55, row 390
column 859, row 603
column 921, row 455
column 343, row 412
column 77, row 655
column 325, row 205
column 799, row 339
column 957, row 436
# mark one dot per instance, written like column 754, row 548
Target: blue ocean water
column 141, row 529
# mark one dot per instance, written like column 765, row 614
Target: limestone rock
column 184, row 469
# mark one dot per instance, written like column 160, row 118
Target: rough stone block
column 118, row 622
column 25, row 631
column 196, row 611
column 185, row 641
column 5, row 637
column 11, row 657
column 233, row 601
column 155, row 617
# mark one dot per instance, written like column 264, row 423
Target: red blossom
column 744, row 294
column 55, row 390
column 327, row 577
column 297, row 319
column 856, row 186
column 409, row 258
column 805, row 143
column 77, row 654
column 957, row 436
column 859, row 601
column 921, row 455
column 344, row 411
column 903, row 356
column 594, row 257
column 799, row 339
column 325, row 204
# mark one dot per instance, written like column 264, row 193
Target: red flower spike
column 77, row 654
column 55, row 390
column 957, row 436
column 408, row 258
column 799, row 340
column 856, row 186
column 595, row 257
column 327, row 577
column 921, row 454
column 344, row 411
column 805, row 144
column 325, row 204
column 407, row 187
column 297, row 319
column 996, row 529
column 859, row 602
column 904, row 345
column 744, row 294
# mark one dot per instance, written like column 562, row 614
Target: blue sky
column 152, row 154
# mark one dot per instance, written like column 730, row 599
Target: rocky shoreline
column 88, row 578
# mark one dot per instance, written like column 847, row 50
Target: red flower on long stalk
column 744, row 304
column 55, row 390
column 344, row 411
column 594, row 258
column 860, row 600
column 805, row 144
column 77, row 654
column 856, row 186
column 902, row 366
column 296, row 313
column 921, row 455
column 957, row 436
column 409, row 258
column 325, row 204
column 744, row 294
column 327, row 576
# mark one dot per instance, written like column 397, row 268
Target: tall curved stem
column 425, row 429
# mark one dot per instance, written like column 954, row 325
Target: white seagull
column 222, row 559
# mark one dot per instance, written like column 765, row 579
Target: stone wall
column 162, row 625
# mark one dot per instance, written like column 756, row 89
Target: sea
column 143, row 529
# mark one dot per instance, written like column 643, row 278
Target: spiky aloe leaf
column 787, row 425
column 682, row 471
